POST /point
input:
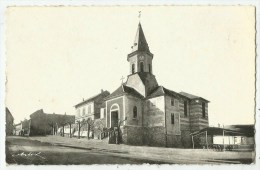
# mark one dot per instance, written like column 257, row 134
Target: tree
column 70, row 124
column 118, row 130
column 52, row 124
column 99, row 127
column 90, row 124
column 80, row 124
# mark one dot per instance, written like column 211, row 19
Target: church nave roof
column 123, row 89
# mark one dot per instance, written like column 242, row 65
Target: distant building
column 150, row 113
column 91, row 107
column 9, row 124
column 17, row 129
column 26, row 127
column 46, row 124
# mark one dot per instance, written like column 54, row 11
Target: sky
column 56, row 56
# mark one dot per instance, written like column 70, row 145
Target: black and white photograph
column 135, row 85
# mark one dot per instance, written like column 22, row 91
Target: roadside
column 23, row 151
column 167, row 155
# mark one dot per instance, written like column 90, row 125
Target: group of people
column 217, row 147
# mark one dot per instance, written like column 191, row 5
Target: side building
column 91, row 107
column 47, row 124
column 9, row 122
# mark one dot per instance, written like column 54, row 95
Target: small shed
column 209, row 132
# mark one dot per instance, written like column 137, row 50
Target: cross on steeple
column 139, row 15
column 122, row 79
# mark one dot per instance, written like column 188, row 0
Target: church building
column 150, row 113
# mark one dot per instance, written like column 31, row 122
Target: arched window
column 133, row 68
column 150, row 70
column 135, row 112
column 114, row 107
column 141, row 66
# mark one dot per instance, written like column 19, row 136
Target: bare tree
column 90, row 124
column 118, row 130
column 70, row 124
column 52, row 124
column 99, row 126
column 80, row 124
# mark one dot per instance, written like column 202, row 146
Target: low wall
column 151, row 136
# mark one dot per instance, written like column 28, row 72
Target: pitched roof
column 248, row 129
column 140, row 43
column 93, row 98
column 123, row 89
column 173, row 93
column 219, row 131
column 143, row 76
column 191, row 96
column 160, row 91
column 7, row 111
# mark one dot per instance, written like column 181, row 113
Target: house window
column 203, row 110
column 78, row 112
column 172, row 118
column 102, row 113
column 185, row 109
column 89, row 109
column 135, row 112
column 172, row 101
column 133, row 68
column 141, row 66
column 84, row 111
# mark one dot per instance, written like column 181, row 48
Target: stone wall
column 186, row 139
column 132, row 135
column 174, row 141
column 136, row 135
column 154, row 136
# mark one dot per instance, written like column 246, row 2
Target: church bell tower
column 140, row 59
column 141, row 76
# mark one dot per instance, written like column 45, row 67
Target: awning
column 218, row 131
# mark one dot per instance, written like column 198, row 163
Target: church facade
column 151, row 114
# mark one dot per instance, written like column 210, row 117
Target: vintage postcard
column 109, row 85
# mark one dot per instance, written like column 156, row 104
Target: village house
column 9, row 124
column 90, row 110
column 91, row 107
column 17, row 129
column 151, row 114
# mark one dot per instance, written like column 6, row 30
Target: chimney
column 83, row 99
column 102, row 90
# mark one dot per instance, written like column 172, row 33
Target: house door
column 114, row 119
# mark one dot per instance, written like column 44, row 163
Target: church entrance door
column 114, row 119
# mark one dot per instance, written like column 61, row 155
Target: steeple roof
column 140, row 43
